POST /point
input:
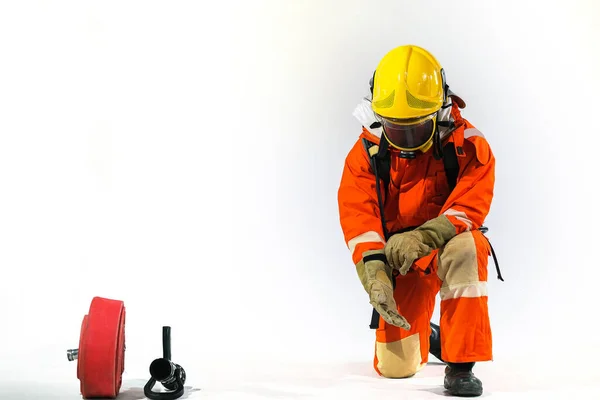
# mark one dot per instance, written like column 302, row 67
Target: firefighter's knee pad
column 461, row 268
column 399, row 359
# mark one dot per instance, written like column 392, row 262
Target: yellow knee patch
column 399, row 359
column 458, row 269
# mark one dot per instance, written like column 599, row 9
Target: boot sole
column 464, row 391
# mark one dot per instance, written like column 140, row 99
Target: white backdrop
column 184, row 157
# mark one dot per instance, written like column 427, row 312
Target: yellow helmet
column 408, row 89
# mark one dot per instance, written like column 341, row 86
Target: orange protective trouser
column 459, row 274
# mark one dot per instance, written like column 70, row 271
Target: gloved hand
column 403, row 249
column 376, row 278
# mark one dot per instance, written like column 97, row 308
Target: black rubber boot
column 435, row 342
column 460, row 380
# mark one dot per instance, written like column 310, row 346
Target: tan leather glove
column 376, row 277
column 403, row 249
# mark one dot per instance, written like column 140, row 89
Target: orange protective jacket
column 418, row 190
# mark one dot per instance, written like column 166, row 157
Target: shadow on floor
column 134, row 390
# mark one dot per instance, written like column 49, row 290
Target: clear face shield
column 409, row 135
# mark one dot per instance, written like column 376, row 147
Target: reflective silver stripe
column 461, row 216
column 473, row 132
column 473, row 289
column 367, row 237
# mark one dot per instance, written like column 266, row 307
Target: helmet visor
column 409, row 134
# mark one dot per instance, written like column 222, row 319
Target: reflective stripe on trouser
column 459, row 274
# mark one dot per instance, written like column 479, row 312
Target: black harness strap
column 380, row 164
column 450, row 165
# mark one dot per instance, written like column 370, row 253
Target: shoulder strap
column 450, row 165
column 384, row 164
column 379, row 157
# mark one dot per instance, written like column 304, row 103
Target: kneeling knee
column 399, row 359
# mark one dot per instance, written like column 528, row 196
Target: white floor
column 338, row 381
